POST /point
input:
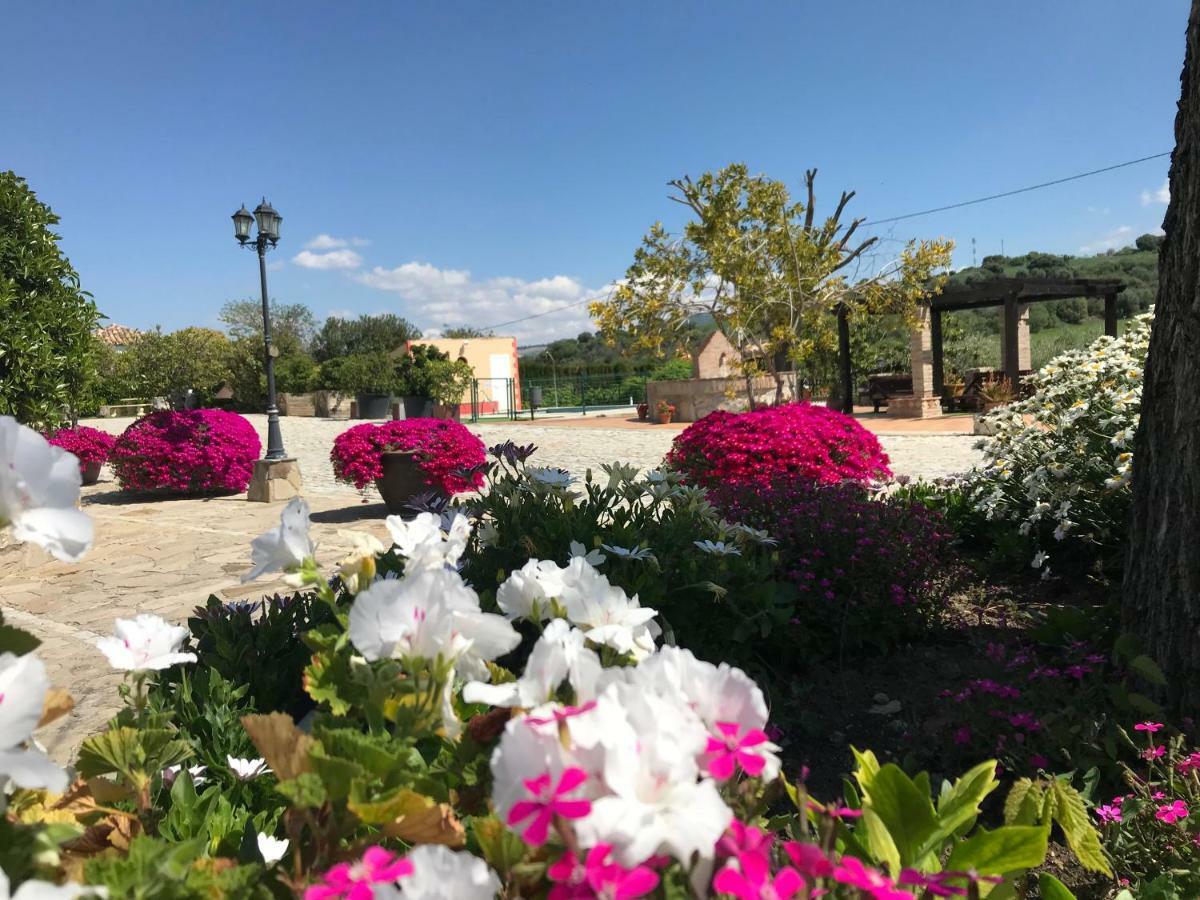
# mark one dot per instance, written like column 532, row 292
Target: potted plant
column 996, row 394
column 665, row 411
column 90, row 445
column 371, row 377
column 448, row 383
column 643, row 411
column 953, row 386
column 408, row 457
column 417, row 379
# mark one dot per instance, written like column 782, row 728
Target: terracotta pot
column 402, row 480
column 643, row 413
column 90, row 472
column 664, row 418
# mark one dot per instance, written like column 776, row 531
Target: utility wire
column 1024, row 190
column 912, row 215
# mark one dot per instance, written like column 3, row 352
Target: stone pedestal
column 274, row 480
column 914, row 407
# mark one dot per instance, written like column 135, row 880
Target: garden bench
column 882, row 387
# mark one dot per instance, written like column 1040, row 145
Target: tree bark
column 1161, row 593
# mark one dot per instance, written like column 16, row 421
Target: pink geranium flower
column 742, row 838
column 809, row 859
column 1108, row 813
column 549, row 800
column 355, row 881
column 1170, row 813
column 1153, row 753
column 751, row 879
column 732, row 749
column 1151, row 727
column 871, row 882
column 598, row 876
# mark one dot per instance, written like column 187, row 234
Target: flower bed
column 1058, row 464
column 90, row 445
column 187, row 452
column 797, row 440
column 445, row 451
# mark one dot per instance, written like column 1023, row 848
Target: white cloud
column 334, row 259
column 1118, row 237
column 1162, row 195
column 329, row 242
column 452, row 297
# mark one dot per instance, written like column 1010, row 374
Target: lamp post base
column 274, row 480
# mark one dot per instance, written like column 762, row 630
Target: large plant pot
column 417, row 407
column 450, row 411
column 402, row 480
column 90, row 472
column 664, row 418
column 331, row 404
column 374, row 406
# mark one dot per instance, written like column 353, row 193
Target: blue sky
column 479, row 162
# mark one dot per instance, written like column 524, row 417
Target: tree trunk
column 1161, row 595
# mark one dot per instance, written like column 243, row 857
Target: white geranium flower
column 144, row 643
column 605, row 613
column 641, row 554
column 39, row 493
column 527, row 592
column 357, row 568
column 23, row 687
column 428, row 615
column 285, row 548
column 271, row 848
column 439, row 873
column 423, row 543
column 45, row 890
column 554, row 478
column 170, row 773
column 1038, row 560
column 560, row 654
column 593, row 557
column 247, row 769
column 718, row 548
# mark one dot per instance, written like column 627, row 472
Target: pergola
column 1012, row 294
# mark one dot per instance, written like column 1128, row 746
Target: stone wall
column 716, row 358
column 697, row 397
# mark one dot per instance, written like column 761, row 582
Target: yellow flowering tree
column 768, row 272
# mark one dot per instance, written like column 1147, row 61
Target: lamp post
column 268, row 236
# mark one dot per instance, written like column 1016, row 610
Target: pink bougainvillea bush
column 90, row 445
column 767, row 445
column 444, row 450
column 189, row 452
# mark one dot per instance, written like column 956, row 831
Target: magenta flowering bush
column 798, row 440
column 446, row 452
column 90, row 445
column 869, row 570
column 187, row 452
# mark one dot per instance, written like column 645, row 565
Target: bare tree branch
column 850, row 257
column 809, row 178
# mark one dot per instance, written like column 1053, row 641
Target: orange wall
column 478, row 353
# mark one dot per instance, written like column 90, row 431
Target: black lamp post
column 268, row 236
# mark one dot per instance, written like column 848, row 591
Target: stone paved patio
column 167, row 556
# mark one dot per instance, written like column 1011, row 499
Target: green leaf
column 1070, row 813
column 1009, row 848
column 1024, row 803
column 336, row 774
column 959, row 806
column 904, row 809
column 879, row 842
column 305, row 791
column 501, row 848
column 116, row 750
column 867, row 768
column 1053, row 889
column 1148, row 669
column 1143, row 704
column 17, row 641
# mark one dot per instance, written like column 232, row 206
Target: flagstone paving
column 168, row 556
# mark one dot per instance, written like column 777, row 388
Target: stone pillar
column 923, row 403
column 1024, row 357
column 274, row 480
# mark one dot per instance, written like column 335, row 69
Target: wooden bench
column 881, row 387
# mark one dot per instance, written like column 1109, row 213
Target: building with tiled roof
column 119, row 337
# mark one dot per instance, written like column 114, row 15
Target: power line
column 1024, row 190
column 912, row 215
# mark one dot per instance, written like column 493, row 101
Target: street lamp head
column 242, row 220
column 268, row 221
